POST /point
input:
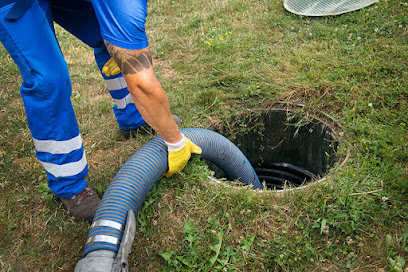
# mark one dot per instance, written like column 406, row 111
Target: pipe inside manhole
column 287, row 149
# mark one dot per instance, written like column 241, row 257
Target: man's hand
column 178, row 157
column 110, row 68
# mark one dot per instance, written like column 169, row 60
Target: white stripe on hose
column 103, row 239
column 108, row 223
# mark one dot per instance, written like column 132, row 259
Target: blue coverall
column 46, row 89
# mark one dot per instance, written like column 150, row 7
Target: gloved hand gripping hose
column 179, row 154
column 129, row 188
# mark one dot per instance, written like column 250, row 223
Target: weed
column 397, row 264
column 45, row 191
column 199, row 256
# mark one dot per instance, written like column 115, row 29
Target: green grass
column 216, row 60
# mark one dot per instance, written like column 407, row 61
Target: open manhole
column 286, row 149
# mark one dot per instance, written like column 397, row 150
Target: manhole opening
column 285, row 148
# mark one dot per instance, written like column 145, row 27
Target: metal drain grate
column 277, row 175
column 325, row 7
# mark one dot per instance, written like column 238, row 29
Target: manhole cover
column 325, row 7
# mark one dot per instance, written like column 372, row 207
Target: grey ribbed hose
column 134, row 180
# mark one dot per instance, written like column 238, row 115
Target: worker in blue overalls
column 116, row 32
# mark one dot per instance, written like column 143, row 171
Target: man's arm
column 147, row 93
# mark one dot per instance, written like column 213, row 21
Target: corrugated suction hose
column 129, row 187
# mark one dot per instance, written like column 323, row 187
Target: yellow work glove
column 179, row 154
column 110, row 68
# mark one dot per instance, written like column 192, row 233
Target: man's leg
column 123, row 30
column 78, row 17
column 46, row 92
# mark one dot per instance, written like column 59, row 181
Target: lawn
column 216, row 60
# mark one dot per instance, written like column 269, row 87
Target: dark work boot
column 144, row 129
column 82, row 205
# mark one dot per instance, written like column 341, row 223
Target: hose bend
column 130, row 186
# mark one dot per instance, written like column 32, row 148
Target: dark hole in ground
column 284, row 147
